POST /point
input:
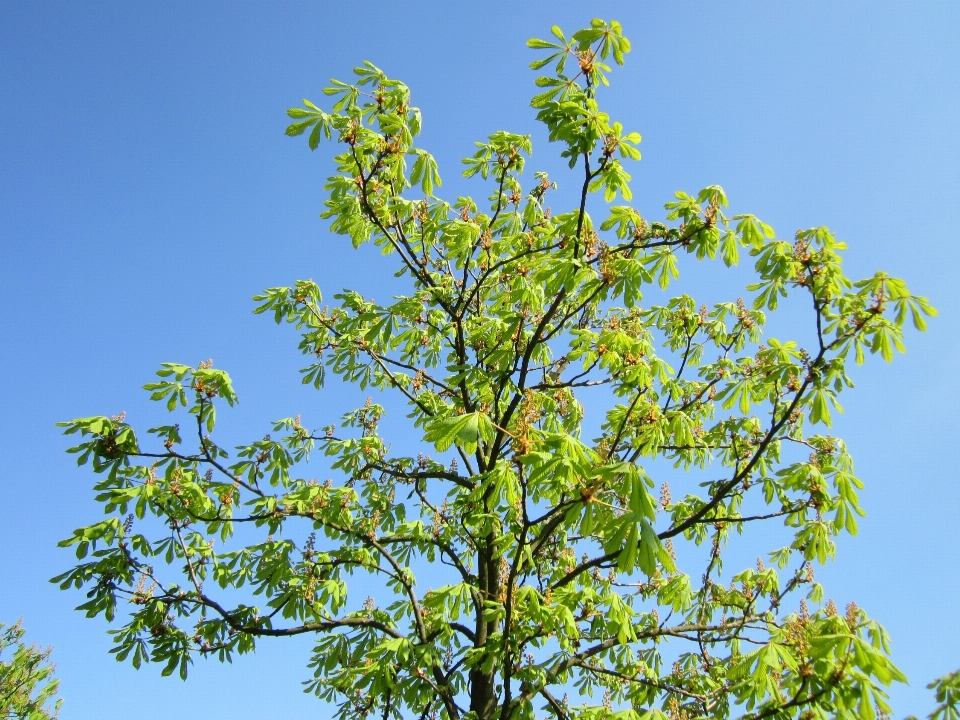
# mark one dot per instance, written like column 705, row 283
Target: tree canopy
column 567, row 575
column 27, row 686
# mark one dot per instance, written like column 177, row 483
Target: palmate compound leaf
column 466, row 431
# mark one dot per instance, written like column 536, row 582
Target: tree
column 27, row 685
column 556, row 564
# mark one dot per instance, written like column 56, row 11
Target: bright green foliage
column 947, row 693
column 521, row 567
column 27, row 685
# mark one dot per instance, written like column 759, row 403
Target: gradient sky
column 147, row 192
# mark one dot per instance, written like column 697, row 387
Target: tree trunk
column 483, row 699
column 483, row 696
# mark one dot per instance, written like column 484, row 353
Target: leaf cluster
column 27, row 686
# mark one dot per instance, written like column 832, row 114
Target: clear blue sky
column 147, row 191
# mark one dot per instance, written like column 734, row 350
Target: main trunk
column 483, row 695
column 483, row 698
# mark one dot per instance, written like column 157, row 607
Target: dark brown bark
column 483, row 696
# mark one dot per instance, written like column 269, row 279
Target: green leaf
column 537, row 44
column 298, row 128
column 465, row 431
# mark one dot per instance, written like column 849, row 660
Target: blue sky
column 147, row 191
